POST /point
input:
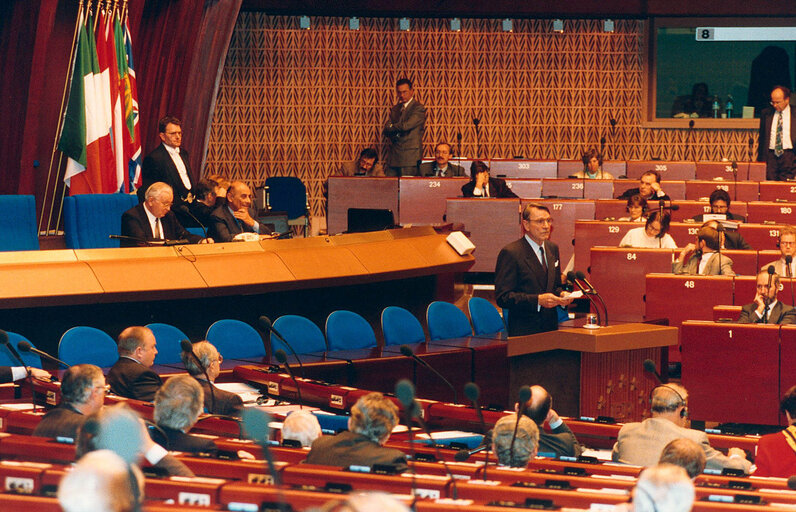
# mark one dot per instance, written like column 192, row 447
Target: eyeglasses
column 220, row 359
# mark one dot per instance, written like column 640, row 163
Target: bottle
column 715, row 107
column 728, row 106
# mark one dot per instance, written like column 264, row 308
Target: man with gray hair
column 131, row 376
column 686, row 454
column 372, row 420
column 99, row 482
column 663, row 487
column 642, row 443
column 560, row 441
column 217, row 401
column 177, row 406
column 236, row 215
column 82, row 394
column 525, row 442
column 152, row 222
column 301, row 426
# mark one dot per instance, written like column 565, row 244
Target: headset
column 683, row 402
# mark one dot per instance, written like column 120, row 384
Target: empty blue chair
column 83, row 344
column 89, row 219
column 486, row 319
column 18, row 228
column 302, row 334
column 168, row 338
column 346, row 330
column 236, row 340
column 288, row 194
column 446, row 321
column 401, row 327
column 6, row 359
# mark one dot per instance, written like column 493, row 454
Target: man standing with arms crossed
column 405, row 131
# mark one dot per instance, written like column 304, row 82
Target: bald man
column 236, row 216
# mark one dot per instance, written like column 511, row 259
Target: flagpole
column 67, row 86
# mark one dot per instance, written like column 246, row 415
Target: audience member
column 593, row 167
column 654, row 234
column 178, row 404
column 663, row 488
column 301, row 426
column 168, row 163
column 766, row 309
column 642, row 443
column 482, row 185
column 636, row 208
column 99, row 482
column 222, row 185
column 441, row 167
column 204, row 202
column 776, row 453
column 366, row 165
column 373, row 418
column 703, row 258
column 777, row 138
column 404, row 130
column 730, row 238
column 525, row 443
column 649, row 188
column 217, row 401
column 82, row 394
column 236, row 216
column 685, row 453
column 153, row 221
column 720, row 207
column 787, row 248
column 131, row 376
column 561, row 441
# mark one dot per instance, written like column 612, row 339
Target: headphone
column 683, row 402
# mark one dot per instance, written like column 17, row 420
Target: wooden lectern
column 592, row 372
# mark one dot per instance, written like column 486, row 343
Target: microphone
column 157, row 242
column 183, row 208
column 187, row 346
column 24, row 346
column 792, row 482
column 771, row 273
column 473, row 392
column 10, row 346
column 650, row 367
column 407, row 351
column 255, row 423
column 688, row 141
column 735, row 179
column 281, row 357
column 789, row 274
column 405, row 393
column 525, row 395
column 588, row 292
column 582, row 277
column 267, row 327
column 463, row 455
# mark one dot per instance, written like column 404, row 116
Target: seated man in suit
column 720, row 205
column 82, row 394
column 372, row 419
column 131, row 376
column 366, row 165
column 642, row 443
column 766, row 309
column 153, row 221
column 217, row 401
column 441, row 166
column 236, row 216
column 177, row 406
column 649, row 188
column 525, row 442
column 482, row 185
column 663, row 487
column 786, row 264
column 703, row 258
column 730, row 238
column 686, row 454
column 540, row 409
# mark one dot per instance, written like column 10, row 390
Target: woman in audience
column 636, row 209
column 652, row 236
column 593, row 167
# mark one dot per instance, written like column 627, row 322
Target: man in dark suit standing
column 528, row 276
column 481, row 184
column 778, row 137
column 131, row 376
column 217, row 401
column 153, row 221
column 405, row 131
column 82, row 394
column 168, row 163
column 441, row 167
column 766, row 309
column 236, row 216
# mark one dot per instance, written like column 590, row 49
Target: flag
column 108, row 37
column 108, row 87
column 129, row 90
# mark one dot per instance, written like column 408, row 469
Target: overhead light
column 456, row 25
column 304, row 22
column 608, row 26
column 558, row 26
column 353, row 23
column 403, row 24
column 508, row 25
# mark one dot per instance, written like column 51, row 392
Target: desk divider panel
column 761, row 237
column 491, row 224
column 777, row 190
column 525, row 189
column 698, row 190
column 765, row 211
column 359, row 192
column 422, row 200
column 668, row 170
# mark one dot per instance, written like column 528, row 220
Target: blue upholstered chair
column 18, row 228
column 486, row 319
column 83, row 344
column 446, row 321
column 168, row 338
column 302, row 334
column 346, row 330
column 29, row 358
column 90, row 218
column 288, row 194
column 400, row 327
column 236, row 340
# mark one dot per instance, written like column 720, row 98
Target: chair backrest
column 29, row 358
column 288, row 194
column 90, row 218
column 446, row 321
column 302, row 334
column 18, row 228
column 83, row 344
column 347, row 330
column 168, row 338
column 401, row 326
column 236, row 340
column 486, row 319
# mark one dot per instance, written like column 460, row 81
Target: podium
column 592, row 372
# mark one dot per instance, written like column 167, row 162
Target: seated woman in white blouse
column 636, row 208
column 652, row 236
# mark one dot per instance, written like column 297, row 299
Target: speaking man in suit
column 404, row 129
column 704, row 258
column 217, row 401
column 528, row 276
column 131, row 376
column 236, row 215
column 168, row 163
column 642, row 443
column 766, row 309
column 82, row 394
column 778, row 137
column 441, row 167
column 481, row 184
column 153, row 221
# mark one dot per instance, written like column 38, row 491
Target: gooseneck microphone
column 183, row 208
column 789, row 274
column 187, row 347
column 408, row 352
column 10, row 346
column 572, row 278
column 268, row 328
column 650, row 367
column 771, row 272
column 524, row 396
column 24, row 346
column 255, row 422
column 473, row 392
column 582, row 277
column 281, row 357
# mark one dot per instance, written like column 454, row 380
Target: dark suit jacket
column 627, row 194
column 766, row 118
column 202, row 213
column 131, row 379
column 405, row 131
column 561, row 442
column 158, row 166
column 226, row 403
column 6, row 375
column 497, row 188
column 430, row 169
column 520, row 279
column 346, row 449
column 63, row 421
column 179, row 441
column 779, row 314
column 136, row 224
column 224, row 226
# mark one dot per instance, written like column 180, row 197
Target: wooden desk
column 359, row 192
column 747, row 190
column 422, row 200
column 492, row 224
column 672, row 170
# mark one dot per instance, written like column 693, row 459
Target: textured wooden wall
column 298, row 102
